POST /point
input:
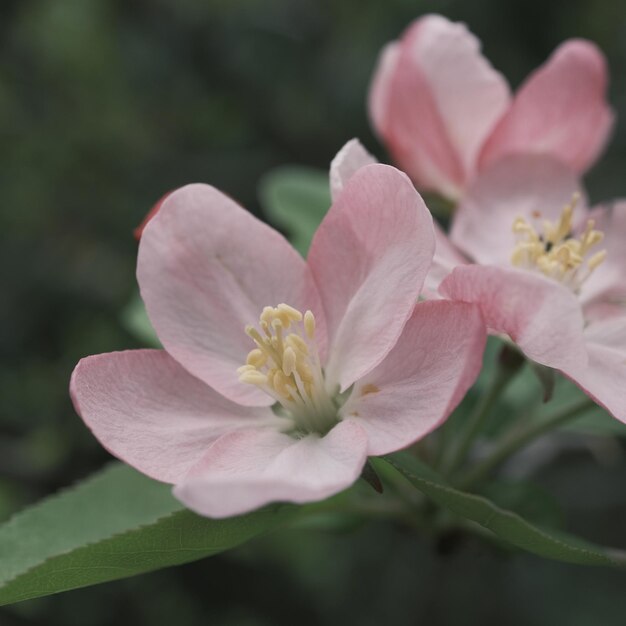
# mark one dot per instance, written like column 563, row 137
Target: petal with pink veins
column 540, row 315
column 436, row 360
column 534, row 187
column 603, row 377
column 560, row 110
column 369, row 258
column 245, row 470
column 149, row 412
column 352, row 157
column 206, row 269
column 434, row 100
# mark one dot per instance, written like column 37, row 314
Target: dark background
column 106, row 105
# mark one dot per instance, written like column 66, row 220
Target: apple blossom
column 341, row 364
column 547, row 272
column 445, row 114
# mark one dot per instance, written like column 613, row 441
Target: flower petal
column 369, row 258
column 607, row 284
column 446, row 258
column 534, row 187
column 352, row 157
column 541, row 316
column 436, row 360
column 560, row 110
column 206, row 269
column 603, row 377
column 249, row 469
column 381, row 88
column 148, row 411
column 434, row 100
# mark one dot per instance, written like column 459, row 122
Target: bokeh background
column 104, row 106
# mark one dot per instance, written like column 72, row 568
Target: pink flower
column 547, row 272
column 445, row 114
column 342, row 363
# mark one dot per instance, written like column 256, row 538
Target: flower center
column 286, row 365
column 555, row 251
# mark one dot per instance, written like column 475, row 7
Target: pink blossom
column 445, row 114
column 341, row 365
column 547, row 272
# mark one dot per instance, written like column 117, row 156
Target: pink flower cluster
column 280, row 376
column 548, row 273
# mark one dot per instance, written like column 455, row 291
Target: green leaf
column 504, row 524
column 135, row 320
column 116, row 524
column 533, row 503
column 296, row 199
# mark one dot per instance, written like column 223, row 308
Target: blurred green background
column 104, row 106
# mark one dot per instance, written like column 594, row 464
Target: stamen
column 309, row 324
column 293, row 314
column 555, row 251
column 287, row 367
column 253, row 377
column 256, row 358
column 289, row 361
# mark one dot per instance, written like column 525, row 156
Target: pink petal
column 541, row 316
column 603, row 377
column 424, row 377
column 148, row 411
column 369, row 257
column 381, row 88
column 206, row 269
column 607, row 284
column 560, row 110
column 434, row 100
column 536, row 188
column 245, row 470
column 446, row 258
column 352, row 157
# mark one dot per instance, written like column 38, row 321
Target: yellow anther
column 253, row 377
column 309, row 324
column 267, row 316
column 280, row 382
column 289, row 361
column 256, row 358
column 293, row 314
column 555, row 251
column 252, row 332
column 285, row 363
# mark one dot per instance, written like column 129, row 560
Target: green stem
column 520, row 439
column 479, row 415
